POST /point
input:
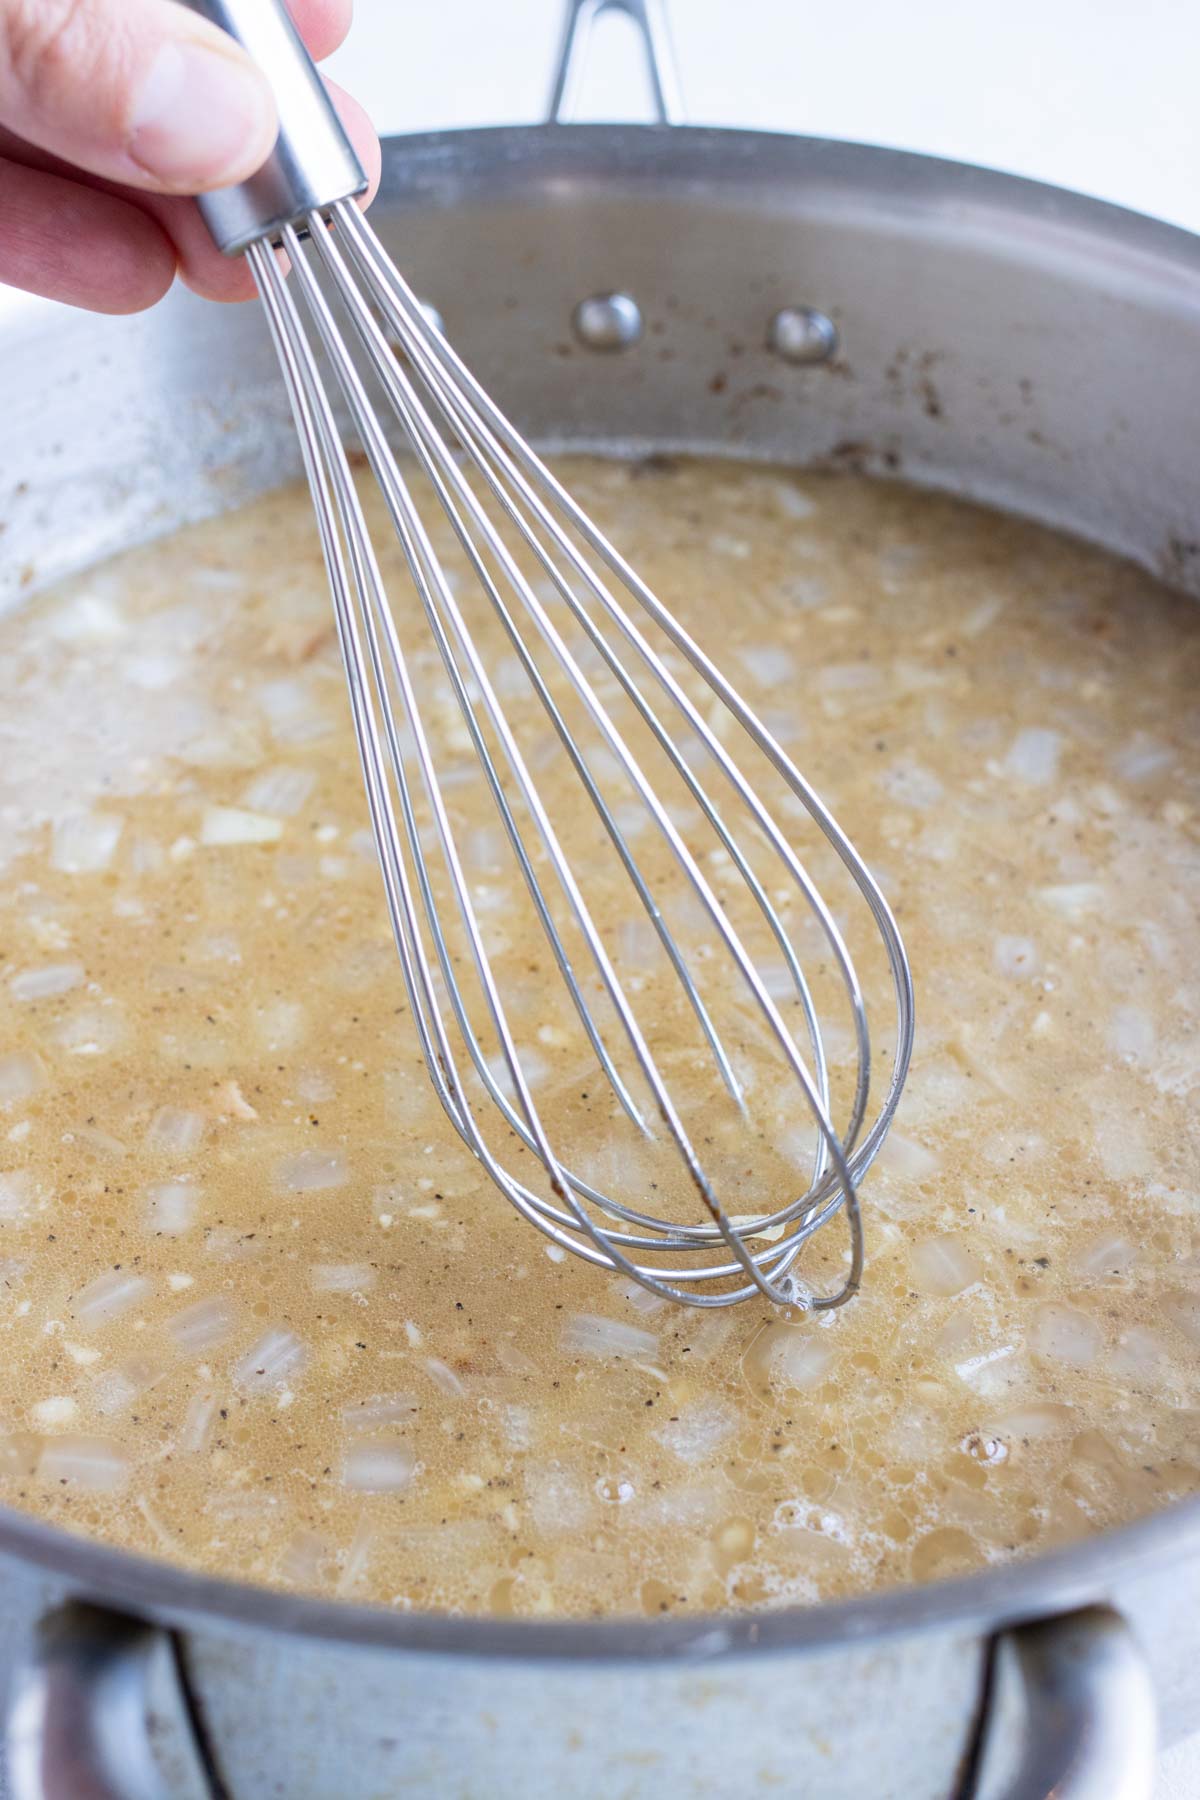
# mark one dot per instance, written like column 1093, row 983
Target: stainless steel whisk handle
column 313, row 164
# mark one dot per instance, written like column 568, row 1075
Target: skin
column 94, row 205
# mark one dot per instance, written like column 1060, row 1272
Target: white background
column 1099, row 95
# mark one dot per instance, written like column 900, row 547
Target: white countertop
column 1091, row 94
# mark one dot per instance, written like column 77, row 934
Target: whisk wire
column 762, row 1248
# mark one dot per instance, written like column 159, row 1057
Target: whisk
column 642, row 719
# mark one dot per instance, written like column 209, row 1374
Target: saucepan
column 628, row 289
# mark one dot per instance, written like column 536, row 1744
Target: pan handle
column 98, row 1711
column 1089, row 1713
column 650, row 18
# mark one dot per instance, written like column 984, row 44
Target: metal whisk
column 640, row 716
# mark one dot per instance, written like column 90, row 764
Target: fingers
column 322, row 24
column 73, row 243
column 138, row 91
column 218, row 277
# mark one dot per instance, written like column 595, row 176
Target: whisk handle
column 313, row 163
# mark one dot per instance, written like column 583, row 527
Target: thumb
column 137, row 91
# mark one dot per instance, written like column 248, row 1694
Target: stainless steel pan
column 782, row 297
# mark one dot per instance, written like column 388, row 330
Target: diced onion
column 1141, row 757
column 106, row 1298
column 280, row 793
column 118, row 1388
column 1132, row 1035
column 698, row 1430
column 908, row 1158
column 85, row 844
column 1033, row 755
column 171, row 1206
column 799, row 1359
column 55, row 1411
column 174, row 1131
column 443, row 1376
column 311, row 1170
column 1185, row 1310
column 197, row 1423
column 909, row 783
column 15, row 1197
column 592, row 1335
column 770, row 665
column 1073, row 898
column 91, row 1031
column 341, row 1278
column 93, row 1463
column 1015, row 957
column 280, row 1024
column 315, row 1084
column 378, row 1467
column 21, row 1077
column 1109, row 1254
column 640, row 1298
column 203, row 1325
column 277, row 1356
column 380, row 1410
column 47, row 982
column 1065, row 1335
column 232, row 825
column 942, row 1266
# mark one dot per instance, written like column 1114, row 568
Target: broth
column 263, row 1315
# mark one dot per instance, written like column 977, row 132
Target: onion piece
column 312, row 1170
column 942, row 1266
column 280, row 793
column 203, row 1325
column 769, row 665
column 118, row 1388
column 91, row 1031
column 85, row 843
column 1033, row 755
column 798, row 1359
column 904, row 1156
column 1015, row 957
column 1109, row 1254
column 1063, row 1334
column 698, row 1430
column 443, row 1376
column 106, row 1298
column 170, row 1206
column 15, row 1197
column 590, row 1334
column 379, row 1466
column 96, row 1464
column 380, row 1410
column 21, row 1077
column 232, row 825
column 174, row 1131
column 276, row 1357
column 197, row 1423
column 47, row 982
column 341, row 1278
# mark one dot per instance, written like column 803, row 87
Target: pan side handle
column 650, row 18
column 98, row 1711
column 1071, row 1704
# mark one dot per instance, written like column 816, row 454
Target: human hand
column 110, row 111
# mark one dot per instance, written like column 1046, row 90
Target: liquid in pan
column 262, row 1314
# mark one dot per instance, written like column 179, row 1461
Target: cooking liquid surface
column 263, row 1315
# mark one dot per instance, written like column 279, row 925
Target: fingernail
column 198, row 115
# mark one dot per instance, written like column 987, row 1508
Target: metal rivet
column 801, row 335
column 433, row 317
column 608, row 322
